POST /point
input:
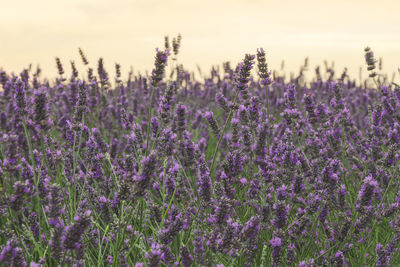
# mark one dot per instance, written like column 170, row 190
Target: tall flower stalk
column 156, row 76
column 242, row 80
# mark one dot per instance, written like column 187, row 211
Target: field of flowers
column 238, row 167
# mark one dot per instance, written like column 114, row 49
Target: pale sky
column 128, row 31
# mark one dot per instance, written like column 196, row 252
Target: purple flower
column 164, row 108
column 186, row 257
column 155, row 255
column 80, row 108
column 291, row 254
column 166, row 141
column 383, row 256
column 281, row 192
column 56, row 242
column 212, row 122
column 20, row 96
column 368, row 190
column 21, row 191
column 198, row 247
column 252, row 228
column 338, row 260
column 143, row 181
column 276, row 244
column 243, row 76
column 263, row 72
column 74, row 233
column 180, row 112
column 204, row 182
column 55, row 199
column 222, row 102
column 159, row 66
column 281, row 213
column 12, row 255
column 154, row 125
column 41, row 108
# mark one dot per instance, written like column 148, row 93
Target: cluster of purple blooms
column 167, row 170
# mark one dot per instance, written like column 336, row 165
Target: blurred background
column 128, row 31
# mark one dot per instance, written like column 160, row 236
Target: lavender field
column 242, row 166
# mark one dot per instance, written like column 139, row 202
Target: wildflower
column 180, row 112
column 186, row 257
column 222, row 102
column 117, row 72
column 103, row 75
column 212, row 122
column 59, row 66
column 83, row 57
column 143, row 181
column 281, row 213
column 246, row 137
column 74, row 233
column 138, row 134
column 368, row 190
column 20, row 96
column 169, row 257
column 41, row 113
column 324, row 213
column 298, row 184
column 154, row 125
column 371, row 61
column 56, row 243
column 235, row 132
column 198, row 248
column 243, row 76
column 164, row 107
column 155, row 255
column 338, row 260
column 310, row 108
column 166, row 43
column 291, row 254
column 12, row 255
column 263, row 71
column 383, row 256
column 102, row 145
column 81, row 105
column 276, row 244
column 204, row 182
column 244, row 120
column 173, row 227
column 74, row 70
column 254, row 110
column 166, row 141
column 159, row 66
column 252, row 228
column 176, row 43
column 21, row 191
column 55, row 196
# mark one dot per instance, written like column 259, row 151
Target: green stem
column 228, row 120
column 149, row 118
column 266, row 98
column 28, row 140
column 35, row 178
column 267, row 115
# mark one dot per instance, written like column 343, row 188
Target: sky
column 128, row 32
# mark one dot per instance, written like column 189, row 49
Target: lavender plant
column 231, row 170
